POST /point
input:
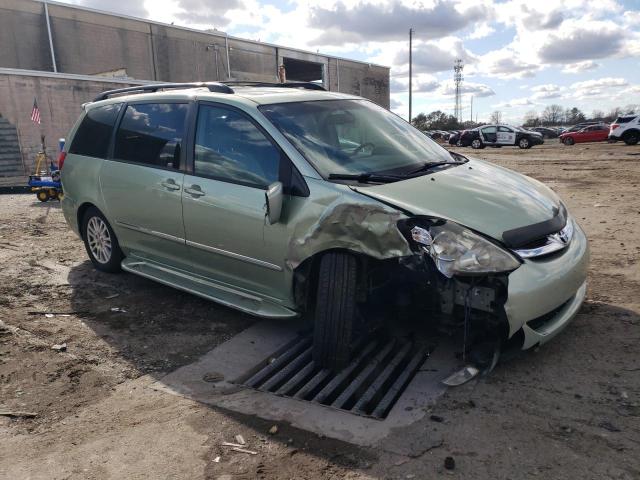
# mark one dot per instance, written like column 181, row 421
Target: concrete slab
column 243, row 352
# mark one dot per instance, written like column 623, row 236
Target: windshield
column 354, row 137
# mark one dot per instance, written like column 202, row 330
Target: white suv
column 626, row 128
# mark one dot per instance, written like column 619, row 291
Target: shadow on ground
column 158, row 329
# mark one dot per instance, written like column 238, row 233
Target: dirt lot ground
column 568, row 410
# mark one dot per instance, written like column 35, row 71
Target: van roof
column 257, row 92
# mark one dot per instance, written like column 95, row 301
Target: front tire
column 524, row 143
column 100, row 242
column 568, row 141
column 335, row 312
column 42, row 195
column 476, row 144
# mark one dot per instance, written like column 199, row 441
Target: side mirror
column 274, row 197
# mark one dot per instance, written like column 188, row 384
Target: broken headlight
column 456, row 250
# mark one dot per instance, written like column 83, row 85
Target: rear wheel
column 42, row 195
column 101, row 242
column 631, row 138
column 476, row 143
column 568, row 141
column 335, row 313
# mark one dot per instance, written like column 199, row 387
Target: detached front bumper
column 545, row 294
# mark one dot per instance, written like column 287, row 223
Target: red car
column 592, row 133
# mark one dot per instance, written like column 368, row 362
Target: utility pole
column 471, row 109
column 410, row 70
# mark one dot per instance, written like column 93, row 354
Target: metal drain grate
column 370, row 385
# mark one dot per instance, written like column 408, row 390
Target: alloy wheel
column 99, row 239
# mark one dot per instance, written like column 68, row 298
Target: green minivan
column 285, row 200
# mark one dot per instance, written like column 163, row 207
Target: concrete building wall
column 369, row 81
column 89, row 42
column 92, row 43
column 23, row 36
column 186, row 56
column 59, row 99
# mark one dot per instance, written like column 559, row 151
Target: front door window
column 489, row 134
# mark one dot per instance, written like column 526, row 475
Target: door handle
column 170, row 184
column 194, row 191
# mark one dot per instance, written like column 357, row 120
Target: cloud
column 481, row 31
column 601, row 82
column 533, row 19
column 202, row 12
column 432, row 57
column 631, row 18
column 547, row 91
column 595, row 88
column 367, row 21
column 396, row 104
column 580, row 44
column 421, row 84
column 515, row 102
column 123, row 7
column 581, row 67
column 475, row 89
column 506, row 63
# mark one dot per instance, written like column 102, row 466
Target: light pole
column 410, row 70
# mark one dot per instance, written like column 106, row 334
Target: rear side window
column 229, row 147
column 94, row 133
column 624, row 119
column 152, row 134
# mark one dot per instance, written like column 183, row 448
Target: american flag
column 35, row 112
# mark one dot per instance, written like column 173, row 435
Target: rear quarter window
column 94, row 133
column 624, row 119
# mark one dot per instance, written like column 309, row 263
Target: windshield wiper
column 430, row 165
column 365, row 177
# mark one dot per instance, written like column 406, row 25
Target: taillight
column 61, row 158
column 614, row 126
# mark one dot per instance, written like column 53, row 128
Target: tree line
column 438, row 120
column 552, row 115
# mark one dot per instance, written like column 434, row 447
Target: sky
column 519, row 55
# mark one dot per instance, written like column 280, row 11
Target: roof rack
column 303, row 85
column 212, row 86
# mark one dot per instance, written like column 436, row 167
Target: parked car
column 579, row 126
column 546, row 132
column 626, row 128
column 593, row 133
column 284, row 202
column 454, row 138
column 465, row 137
column 501, row 135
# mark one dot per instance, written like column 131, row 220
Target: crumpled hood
column 479, row 195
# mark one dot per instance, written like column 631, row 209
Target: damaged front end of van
column 474, row 250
